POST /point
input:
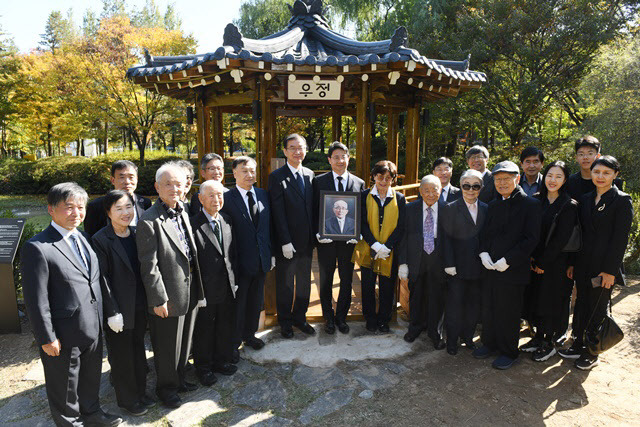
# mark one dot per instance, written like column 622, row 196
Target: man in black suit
column 462, row 220
column 443, row 169
column 61, row 286
column 340, row 223
column 248, row 207
column 339, row 179
column 291, row 196
column 211, row 168
column 215, row 325
column 124, row 176
column 507, row 240
column 421, row 262
column 478, row 158
column 171, row 276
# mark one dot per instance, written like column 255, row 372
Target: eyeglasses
column 477, row 157
column 474, row 187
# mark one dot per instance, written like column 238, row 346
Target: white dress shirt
column 245, row 197
column 211, row 218
column 345, row 178
column 374, row 192
column 473, row 210
column 66, row 234
column 434, row 214
column 445, row 191
column 294, row 171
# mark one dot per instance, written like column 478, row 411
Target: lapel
column 600, row 210
column 226, row 234
column 208, row 231
column 308, row 188
column 117, row 246
column 138, row 205
column 349, row 184
column 464, row 211
column 237, row 199
column 170, row 229
column 62, row 246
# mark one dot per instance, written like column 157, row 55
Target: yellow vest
column 362, row 251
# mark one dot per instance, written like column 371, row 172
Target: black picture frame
column 328, row 223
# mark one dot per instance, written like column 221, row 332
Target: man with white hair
column 171, row 277
column 421, row 262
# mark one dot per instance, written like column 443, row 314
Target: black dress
column 553, row 288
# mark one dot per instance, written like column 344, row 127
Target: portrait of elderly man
column 340, row 223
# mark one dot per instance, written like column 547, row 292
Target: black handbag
column 605, row 335
column 574, row 244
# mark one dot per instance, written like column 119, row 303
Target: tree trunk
column 106, row 137
column 130, row 139
column 124, row 139
column 82, row 153
column 78, row 147
column 49, row 148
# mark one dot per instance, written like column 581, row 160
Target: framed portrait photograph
column 339, row 215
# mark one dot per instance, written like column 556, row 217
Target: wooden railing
column 410, row 191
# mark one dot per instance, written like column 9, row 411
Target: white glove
column 202, row 303
column 288, row 250
column 381, row 255
column 501, row 265
column 403, row 272
column 273, row 262
column 321, row 240
column 116, row 323
column 451, row 271
column 486, row 261
column 352, row 242
column 376, row 246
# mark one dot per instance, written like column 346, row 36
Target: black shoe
column 470, row 345
column 411, row 336
column 148, row 401
column 306, row 328
column 531, row 346
column 546, row 350
column 235, row 356
column 172, row 402
column 187, row 386
column 586, row 361
column 452, row 350
column 137, row 409
column 572, row 352
column 286, row 332
column 225, row 369
column 207, row 379
column 254, row 343
column 383, row 327
column 101, row 418
column 372, row 326
column 342, row 327
column 438, row 344
column 330, row 327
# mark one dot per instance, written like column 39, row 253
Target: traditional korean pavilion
column 308, row 70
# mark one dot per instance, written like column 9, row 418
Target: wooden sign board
column 308, row 91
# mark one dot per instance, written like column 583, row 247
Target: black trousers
column 213, row 335
column 249, row 303
column 530, row 302
column 463, row 309
column 386, row 288
column 501, row 310
column 591, row 307
column 72, row 381
column 293, row 288
column 328, row 255
column 426, row 297
column 171, row 341
column 128, row 360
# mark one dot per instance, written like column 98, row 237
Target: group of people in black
column 192, row 272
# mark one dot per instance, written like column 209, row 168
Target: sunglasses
column 474, row 187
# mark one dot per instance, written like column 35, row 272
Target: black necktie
column 216, row 232
column 340, row 186
column 300, row 182
column 253, row 209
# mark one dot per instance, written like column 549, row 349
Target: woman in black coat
column 605, row 215
column 124, row 303
column 549, row 262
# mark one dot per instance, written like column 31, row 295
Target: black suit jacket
column 453, row 195
column 96, row 217
column 412, row 244
column 117, row 277
column 511, row 231
column 605, row 233
column 488, row 192
column 331, row 226
column 292, row 210
column 63, row 300
column 461, row 239
column 216, row 263
column 325, row 182
column 254, row 243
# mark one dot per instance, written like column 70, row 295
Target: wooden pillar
column 203, row 131
column 363, row 135
column 393, row 134
column 336, row 126
column 413, row 145
column 264, row 126
column 218, row 132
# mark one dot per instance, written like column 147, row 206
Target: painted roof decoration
column 308, row 40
